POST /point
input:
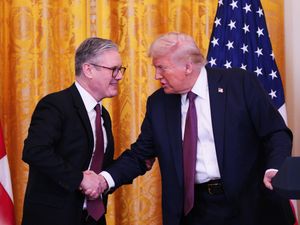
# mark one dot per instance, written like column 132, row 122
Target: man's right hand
column 92, row 185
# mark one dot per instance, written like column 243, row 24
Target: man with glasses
column 70, row 142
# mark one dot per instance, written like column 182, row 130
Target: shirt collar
column 88, row 100
column 200, row 87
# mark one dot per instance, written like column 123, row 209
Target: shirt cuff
column 271, row 170
column 109, row 179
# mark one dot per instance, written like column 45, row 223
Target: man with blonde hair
column 215, row 133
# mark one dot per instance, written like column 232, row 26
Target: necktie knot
column 97, row 108
column 191, row 96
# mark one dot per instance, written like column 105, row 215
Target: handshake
column 92, row 184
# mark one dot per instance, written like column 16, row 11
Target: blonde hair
column 179, row 45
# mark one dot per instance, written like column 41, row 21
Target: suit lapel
column 109, row 153
column 217, row 94
column 173, row 118
column 79, row 105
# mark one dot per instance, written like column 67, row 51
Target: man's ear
column 87, row 70
column 188, row 68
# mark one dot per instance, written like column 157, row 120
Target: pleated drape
column 37, row 43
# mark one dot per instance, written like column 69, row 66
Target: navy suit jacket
column 58, row 148
column 250, row 136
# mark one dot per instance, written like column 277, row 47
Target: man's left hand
column 268, row 178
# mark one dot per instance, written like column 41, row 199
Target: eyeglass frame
column 120, row 69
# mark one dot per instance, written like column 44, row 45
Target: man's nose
column 119, row 75
column 158, row 75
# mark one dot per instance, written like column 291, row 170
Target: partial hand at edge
column 268, row 178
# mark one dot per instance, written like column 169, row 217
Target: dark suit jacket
column 58, row 148
column 249, row 133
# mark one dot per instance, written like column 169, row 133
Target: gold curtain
column 37, row 43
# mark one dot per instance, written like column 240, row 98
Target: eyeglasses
column 115, row 70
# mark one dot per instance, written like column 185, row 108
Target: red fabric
column 293, row 208
column 6, row 203
column 2, row 146
column 6, row 208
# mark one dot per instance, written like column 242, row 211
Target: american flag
column 240, row 39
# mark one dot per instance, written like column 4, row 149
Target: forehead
column 161, row 60
column 110, row 57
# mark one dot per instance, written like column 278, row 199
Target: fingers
column 92, row 194
column 268, row 178
column 92, row 185
column 268, row 185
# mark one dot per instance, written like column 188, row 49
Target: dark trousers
column 210, row 209
column 87, row 220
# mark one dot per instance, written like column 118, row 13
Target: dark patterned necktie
column 96, row 207
column 189, row 153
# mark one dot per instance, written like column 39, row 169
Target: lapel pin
column 220, row 90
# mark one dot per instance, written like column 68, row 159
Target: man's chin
column 112, row 94
column 168, row 91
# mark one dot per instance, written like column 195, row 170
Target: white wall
column 292, row 63
column 292, row 71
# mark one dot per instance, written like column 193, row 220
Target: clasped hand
column 92, row 184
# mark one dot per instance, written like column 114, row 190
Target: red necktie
column 189, row 153
column 96, row 207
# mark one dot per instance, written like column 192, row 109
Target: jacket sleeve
column 40, row 147
column 131, row 162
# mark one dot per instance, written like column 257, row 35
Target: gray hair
column 179, row 45
column 91, row 48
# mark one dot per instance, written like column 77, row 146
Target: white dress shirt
column 90, row 103
column 206, row 161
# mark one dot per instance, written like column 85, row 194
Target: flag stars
column 273, row 74
column 273, row 94
column 260, row 12
column 240, row 39
column 246, row 28
column 247, row 8
column 233, row 4
column 218, row 22
column 212, row 62
column 244, row 67
column 259, row 32
column 232, row 24
column 272, row 55
column 229, row 44
column 258, row 71
column 259, row 52
column 215, row 41
column 227, row 64
column 244, row 48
